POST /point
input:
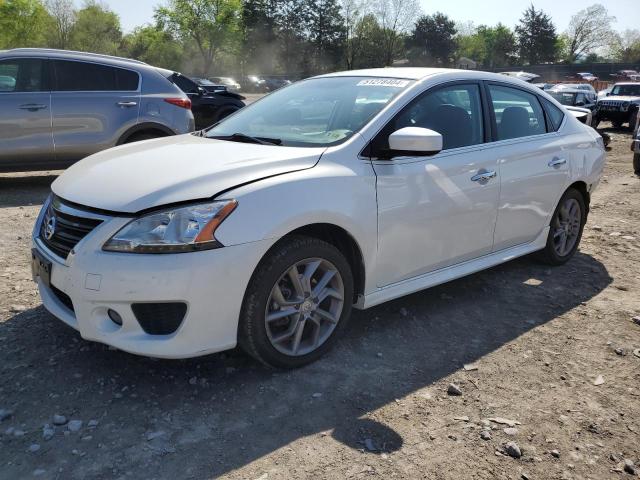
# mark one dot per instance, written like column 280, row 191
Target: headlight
column 625, row 106
column 183, row 229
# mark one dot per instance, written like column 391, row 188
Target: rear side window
column 555, row 115
column 23, row 75
column 516, row 113
column 91, row 77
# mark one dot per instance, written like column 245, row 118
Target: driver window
column 454, row 111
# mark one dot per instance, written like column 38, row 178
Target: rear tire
column 566, row 229
column 320, row 310
column 636, row 164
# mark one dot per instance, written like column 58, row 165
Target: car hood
column 148, row 174
column 621, row 98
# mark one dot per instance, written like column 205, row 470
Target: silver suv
column 57, row 107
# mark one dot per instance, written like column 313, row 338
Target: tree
column 259, row 34
column 292, row 21
column 626, row 47
column 500, row 45
column 63, row 19
column 352, row 11
column 154, row 46
column 97, row 29
column 395, row 18
column 589, row 29
column 214, row 25
column 22, row 23
column 536, row 37
column 326, row 34
column 369, row 50
column 433, row 39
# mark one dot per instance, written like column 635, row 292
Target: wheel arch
column 343, row 241
column 145, row 127
column 581, row 187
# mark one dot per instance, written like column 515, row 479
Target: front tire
column 567, row 225
column 297, row 303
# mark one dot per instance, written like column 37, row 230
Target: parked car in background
column 208, row 85
column 353, row 188
column 228, row 82
column 620, row 106
column 544, row 86
column 527, row 77
column 574, row 97
column 254, row 84
column 208, row 107
column 625, row 75
column 57, row 107
column 584, row 76
column 586, row 87
column 275, row 82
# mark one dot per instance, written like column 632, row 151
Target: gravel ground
column 544, row 365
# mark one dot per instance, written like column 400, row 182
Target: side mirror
column 607, row 94
column 415, row 141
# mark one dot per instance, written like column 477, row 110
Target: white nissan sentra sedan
column 344, row 190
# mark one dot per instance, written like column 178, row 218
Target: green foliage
column 213, row 25
column 23, row 23
column 326, row 33
column 536, row 37
column 368, row 46
column 433, row 40
column 154, row 46
column 97, row 29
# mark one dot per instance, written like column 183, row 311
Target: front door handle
column 127, row 104
column 32, row 107
column 557, row 162
column 484, row 177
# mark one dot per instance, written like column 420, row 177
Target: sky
column 489, row 12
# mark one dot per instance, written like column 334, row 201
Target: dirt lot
column 534, row 341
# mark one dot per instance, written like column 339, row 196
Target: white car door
column 440, row 210
column 534, row 164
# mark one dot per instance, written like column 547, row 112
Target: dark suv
column 57, row 107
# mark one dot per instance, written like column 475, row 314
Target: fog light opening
column 115, row 317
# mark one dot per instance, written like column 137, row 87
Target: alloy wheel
column 566, row 227
column 304, row 306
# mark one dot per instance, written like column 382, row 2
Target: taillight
column 179, row 102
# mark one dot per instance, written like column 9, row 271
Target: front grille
column 61, row 231
column 611, row 104
column 159, row 318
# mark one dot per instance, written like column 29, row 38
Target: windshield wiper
column 241, row 137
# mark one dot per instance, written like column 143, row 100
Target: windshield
column 315, row 112
column 564, row 98
column 626, row 90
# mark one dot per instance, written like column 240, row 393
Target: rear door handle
column 484, row 177
column 127, row 104
column 32, row 107
column 557, row 162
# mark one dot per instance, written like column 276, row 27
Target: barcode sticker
column 383, row 82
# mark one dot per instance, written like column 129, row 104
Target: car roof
column 626, row 83
column 567, row 90
column 73, row 55
column 417, row 73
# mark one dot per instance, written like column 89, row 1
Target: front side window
column 74, row 76
column 313, row 113
column 516, row 113
column 22, row 75
column 454, row 111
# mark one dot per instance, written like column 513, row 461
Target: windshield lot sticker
column 383, row 82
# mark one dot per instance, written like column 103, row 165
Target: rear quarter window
column 556, row 116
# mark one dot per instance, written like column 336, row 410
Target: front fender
column 327, row 193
